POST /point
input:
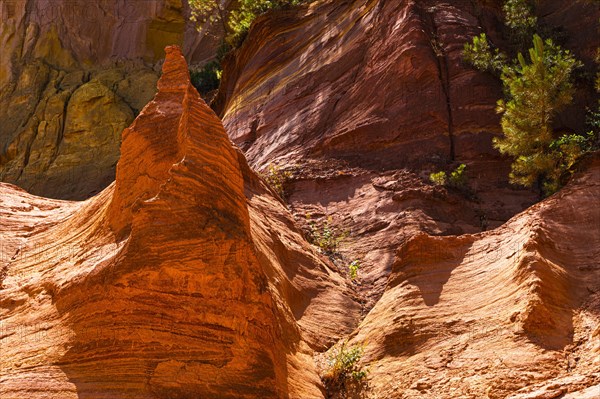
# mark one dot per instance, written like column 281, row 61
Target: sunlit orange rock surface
column 185, row 278
column 73, row 75
column 363, row 100
column 188, row 277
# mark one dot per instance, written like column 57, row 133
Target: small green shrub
column 521, row 24
column 326, row 237
column 343, row 368
column 519, row 17
column 278, row 179
column 438, row 178
column 458, row 178
column 206, row 78
column 482, row 56
column 353, row 268
column 565, row 152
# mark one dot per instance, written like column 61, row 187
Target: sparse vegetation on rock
column 456, row 179
column 325, row 236
column 343, row 371
column 520, row 19
column 235, row 21
column 536, row 88
column 438, row 178
column 483, row 56
column 278, row 179
column 353, row 269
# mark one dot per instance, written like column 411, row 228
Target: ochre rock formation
column 389, row 86
column 510, row 313
column 61, row 131
column 71, row 33
column 73, row 75
column 188, row 277
column 366, row 107
column 185, row 278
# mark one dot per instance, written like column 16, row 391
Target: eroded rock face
column 509, row 313
column 61, row 131
column 68, row 33
column 188, row 278
column 384, row 86
column 73, row 75
column 178, row 280
column 364, row 109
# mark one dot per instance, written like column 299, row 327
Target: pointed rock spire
column 177, row 131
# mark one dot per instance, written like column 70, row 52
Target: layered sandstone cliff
column 395, row 70
column 385, row 85
column 188, row 277
column 364, row 109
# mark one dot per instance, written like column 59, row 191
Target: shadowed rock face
column 71, row 33
column 178, row 280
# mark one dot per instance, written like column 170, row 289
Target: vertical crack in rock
column 61, row 131
column 442, row 63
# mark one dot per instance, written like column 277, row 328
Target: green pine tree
column 482, row 56
column 520, row 19
column 537, row 89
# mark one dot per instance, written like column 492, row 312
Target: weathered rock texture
column 384, row 85
column 73, row 75
column 185, row 278
column 188, row 278
column 511, row 313
column 60, row 134
column 71, row 33
column 366, row 107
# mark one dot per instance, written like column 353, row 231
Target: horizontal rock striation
column 384, row 86
column 178, row 280
column 363, row 100
column 508, row 313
